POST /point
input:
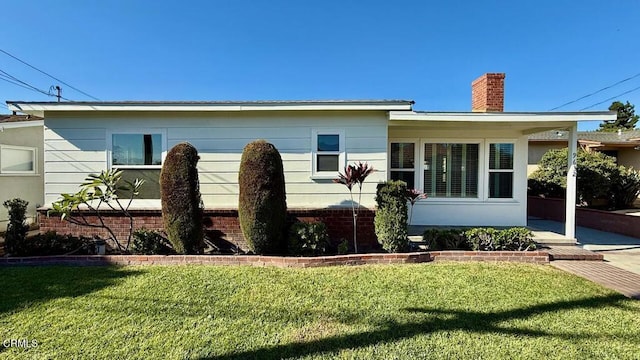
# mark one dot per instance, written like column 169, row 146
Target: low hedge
column 480, row 239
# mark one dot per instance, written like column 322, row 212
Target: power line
column 611, row 98
column 49, row 75
column 596, row 92
column 15, row 81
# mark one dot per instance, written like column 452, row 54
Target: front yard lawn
column 441, row 310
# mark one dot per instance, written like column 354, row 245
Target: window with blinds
column 501, row 171
column 451, row 170
column 403, row 162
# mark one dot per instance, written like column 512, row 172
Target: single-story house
column 622, row 145
column 21, row 163
column 472, row 165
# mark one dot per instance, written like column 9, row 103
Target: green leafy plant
column 354, row 174
column 343, row 247
column 445, row 239
column 51, row 243
column 150, row 242
column 490, row 239
column 391, row 216
column 17, row 227
column 262, row 207
column 599, row 178
column 97, row 193
column 308, row 239
column 182, row 210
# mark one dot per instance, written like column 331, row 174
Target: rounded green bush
column 391, row 217
column 180, row 195
column 262, row 208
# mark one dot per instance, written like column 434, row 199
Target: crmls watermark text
column 20, row 343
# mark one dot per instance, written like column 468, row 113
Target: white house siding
column 28, row 187
column 76, row 146
column 473, row 212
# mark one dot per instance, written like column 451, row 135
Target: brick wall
column 222, row 224
column 554, row 209
column 487, row 93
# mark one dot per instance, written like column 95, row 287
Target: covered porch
column 473, row 165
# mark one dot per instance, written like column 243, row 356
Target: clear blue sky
column 553, row 51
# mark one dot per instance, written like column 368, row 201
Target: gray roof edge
column 223, row 102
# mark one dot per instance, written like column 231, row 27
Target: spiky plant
column 354, row 174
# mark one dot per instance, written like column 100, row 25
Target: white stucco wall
column 28, row 187
column 472, row 212
column 75, row 147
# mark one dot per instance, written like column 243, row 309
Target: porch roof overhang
column 525, row 122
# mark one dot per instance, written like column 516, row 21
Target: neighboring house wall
column 79, row 145
column 629, row 157
column 28, row 187
column 480, row 211
column 537, row 149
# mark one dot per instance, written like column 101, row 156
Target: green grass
column 443, row 310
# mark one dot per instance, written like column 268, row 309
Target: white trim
column 109, row 142
column 34, row 158
column 489, row 170
column 502, row 117
column 570, row 205
column 314, row 152
column 481, row 169
column 416, row 158
column 20, row 124
column 40, row 108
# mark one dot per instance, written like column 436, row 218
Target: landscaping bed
column 439, row 311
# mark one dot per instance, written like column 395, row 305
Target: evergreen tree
column 626, row 119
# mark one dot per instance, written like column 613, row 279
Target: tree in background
column 626, row 119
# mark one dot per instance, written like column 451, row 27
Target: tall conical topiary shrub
column 180, row 194
column 262, row 207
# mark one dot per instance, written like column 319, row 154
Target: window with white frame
column 139, row 156
column 451, row 170
column 328, row 152
column 501, row 170
column 136, row 150
column 402, row 164
column 17, row 160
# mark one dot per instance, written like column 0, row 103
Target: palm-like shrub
column 182, row 211
column 354, row 174
column 262, row 208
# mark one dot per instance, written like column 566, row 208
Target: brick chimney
column 487, row 93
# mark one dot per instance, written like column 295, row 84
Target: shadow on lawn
column 27, row 286
column 435, row 320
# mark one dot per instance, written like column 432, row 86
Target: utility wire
column 15, row 81
column 611, row 98
column 49, row 75
column 596, row 92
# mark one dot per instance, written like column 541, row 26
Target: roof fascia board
column 502, row 117
column 31, row 108
column 21, row 124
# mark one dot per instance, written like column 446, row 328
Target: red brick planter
column 223, row 224
column 554, row 209
column 539, row 257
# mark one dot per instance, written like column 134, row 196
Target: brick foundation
column 554, row 209
column 221, row 224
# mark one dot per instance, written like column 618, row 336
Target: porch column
column 570, row 222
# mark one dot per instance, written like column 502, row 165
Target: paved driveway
column 619, row 250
